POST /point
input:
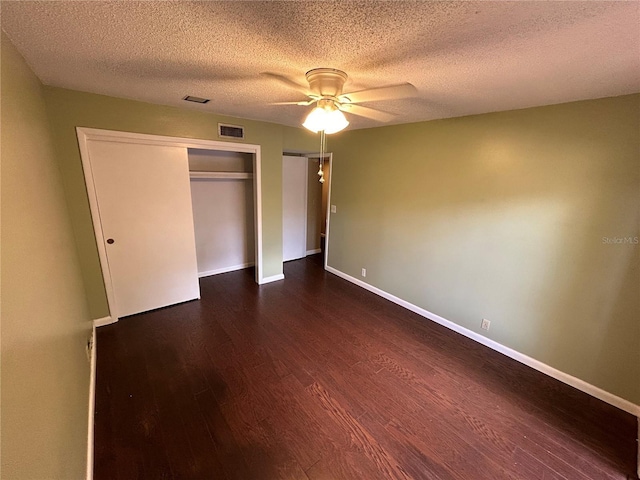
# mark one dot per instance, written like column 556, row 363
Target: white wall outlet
column 364, row 272
column 485, row 324
column 333, row 209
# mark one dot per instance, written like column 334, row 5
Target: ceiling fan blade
column 288, row 82
column 390, row 92
column 302, row 103
column 367, row 112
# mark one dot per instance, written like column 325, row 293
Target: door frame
column 85, row 134
column 329, row 156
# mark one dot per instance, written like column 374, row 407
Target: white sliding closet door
column 294, row 207
column 144, row 200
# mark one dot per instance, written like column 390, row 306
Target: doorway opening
column 305, row 205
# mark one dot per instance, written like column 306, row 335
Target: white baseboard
column 272, row 278
column 92, row 405
column 313, row 252
column 217, row 271
column 101, row 322
column 592, row 390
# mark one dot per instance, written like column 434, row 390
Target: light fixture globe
column 325, row 117
column 315, row 120
column 335, row 121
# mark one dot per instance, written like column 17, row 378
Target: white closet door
column 144, row 200
column 294, row 207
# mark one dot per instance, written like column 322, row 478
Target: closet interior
column 222, row 193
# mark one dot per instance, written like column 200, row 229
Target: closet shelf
column 222, row 175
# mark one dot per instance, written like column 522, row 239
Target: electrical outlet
column 485, row 324
column 333, row 209
column 364, row 272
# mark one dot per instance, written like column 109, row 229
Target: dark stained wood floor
column 315, row 378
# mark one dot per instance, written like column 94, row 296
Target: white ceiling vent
column 191, row 98
column 230, row 131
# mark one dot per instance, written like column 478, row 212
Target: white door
column 294, row 207
column 144, row 200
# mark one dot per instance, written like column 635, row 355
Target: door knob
column 110, row 241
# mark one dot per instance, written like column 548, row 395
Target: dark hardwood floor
column 315, row 378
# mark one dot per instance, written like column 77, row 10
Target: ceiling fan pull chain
column 323, row 140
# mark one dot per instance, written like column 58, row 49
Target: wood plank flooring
column 315, row 378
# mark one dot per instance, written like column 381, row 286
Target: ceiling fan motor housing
column 326, row 82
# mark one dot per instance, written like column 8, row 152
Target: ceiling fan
column 325, row 89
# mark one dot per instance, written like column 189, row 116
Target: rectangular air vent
column 191, row 98
column 230, row 131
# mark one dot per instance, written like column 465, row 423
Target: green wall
column 69, row 109
column 45, row 320
column 502, row 216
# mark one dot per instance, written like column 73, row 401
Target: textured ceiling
column 463, row 57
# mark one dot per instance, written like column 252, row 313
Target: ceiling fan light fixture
column 335, row 121
column 325, row 118
column 315, row 120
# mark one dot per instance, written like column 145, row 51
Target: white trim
column 306, row 202
column 257, row 209
column 326, row 235
column 150, row 139
column 313, row 252
column 217, row 271
column 101, row 322
column 220, row 175
column 592, row 390
column 83, row 137
column 86, row 134
column 92, row 405
column 272, row 278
